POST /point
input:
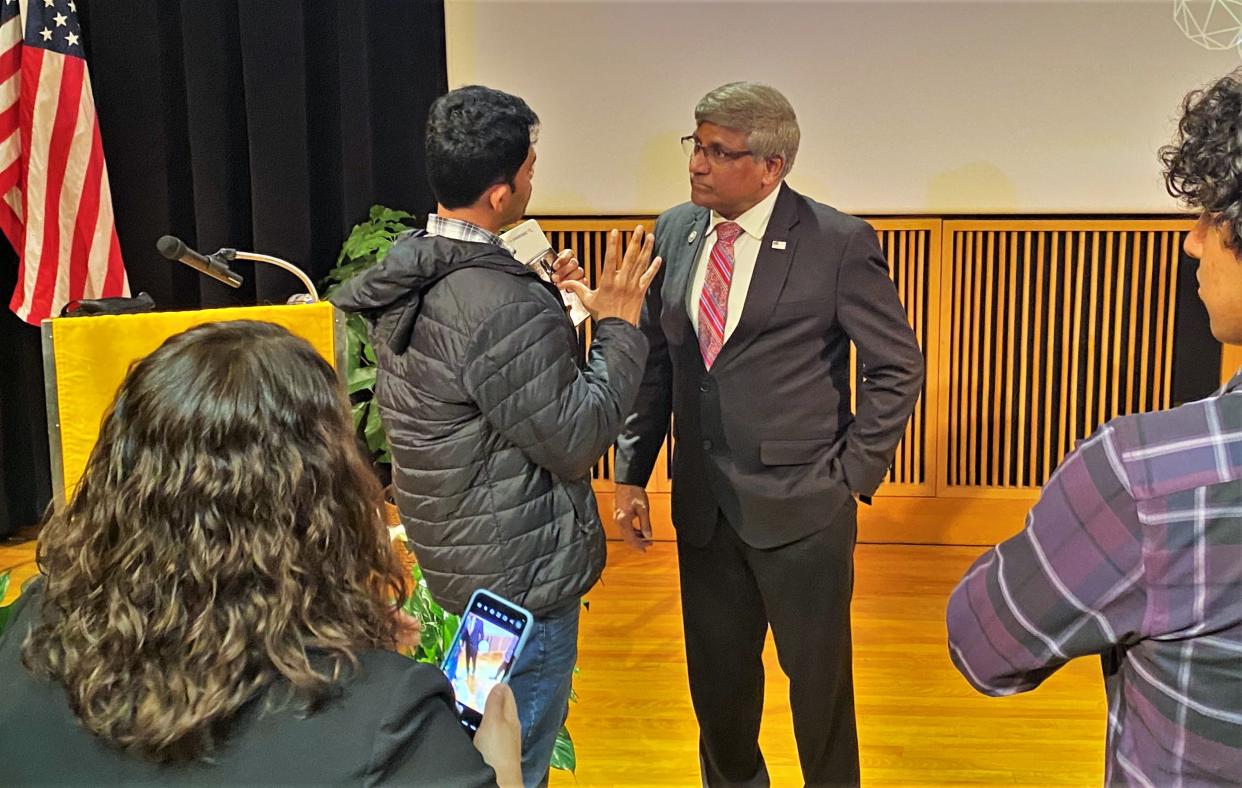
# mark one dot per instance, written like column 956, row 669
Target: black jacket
column 768, row 435
column 493, row 421
column 392, row 724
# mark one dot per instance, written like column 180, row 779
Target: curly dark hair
column 226, row 531
column 1203, row 165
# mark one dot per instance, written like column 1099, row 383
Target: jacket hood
column 390, row 295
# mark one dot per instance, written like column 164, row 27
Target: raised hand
column 623, row 281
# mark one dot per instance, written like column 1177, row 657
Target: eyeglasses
column 714, row 153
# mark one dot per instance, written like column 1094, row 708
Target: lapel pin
column 693, row 234
column 778, row 244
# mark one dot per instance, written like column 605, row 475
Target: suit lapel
column 776, row 254
column 684, row 249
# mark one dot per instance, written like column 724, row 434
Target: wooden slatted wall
column 1035, row 333
column 1051, row 328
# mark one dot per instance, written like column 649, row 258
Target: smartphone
column 488, row 642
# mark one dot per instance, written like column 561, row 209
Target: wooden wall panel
column 912, row 248
column 1053, row 329
column 1035, row 333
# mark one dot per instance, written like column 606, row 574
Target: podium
column 85, row 359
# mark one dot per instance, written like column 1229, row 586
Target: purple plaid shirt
column 1133, row 552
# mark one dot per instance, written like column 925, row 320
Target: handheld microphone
column 175, row 249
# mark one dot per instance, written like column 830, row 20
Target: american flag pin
column 778, row 244
column 693, row 234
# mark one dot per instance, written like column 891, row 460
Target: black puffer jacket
column 493, row 423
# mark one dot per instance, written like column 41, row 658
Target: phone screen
column 482, row 654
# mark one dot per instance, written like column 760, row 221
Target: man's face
column 729, row 187
column 514, row 207
column 1220, row 278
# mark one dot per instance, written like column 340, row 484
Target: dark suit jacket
column 394, row 723
column 767, row 437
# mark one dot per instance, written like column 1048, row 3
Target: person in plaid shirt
column 1134, row 549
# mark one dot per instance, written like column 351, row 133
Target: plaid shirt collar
column 461, row 230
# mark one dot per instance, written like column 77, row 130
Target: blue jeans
column 540, row 682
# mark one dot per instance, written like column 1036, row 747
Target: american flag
column 56, row 207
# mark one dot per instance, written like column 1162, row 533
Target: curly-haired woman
column 217, row 601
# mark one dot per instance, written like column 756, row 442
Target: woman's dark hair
column 477, row 137
column 226, row 525
column 1203, row 165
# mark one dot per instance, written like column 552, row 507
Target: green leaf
column 360, row 413
column 368, row 352
column 373, row 431
column 353, row 347
column 4, row 583
column 357, row 328
column 362, row 379
column 563, row 755
column 369, row 241
column 381, row 213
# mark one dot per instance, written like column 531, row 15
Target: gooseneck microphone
column 216, row 265
column 175, row 249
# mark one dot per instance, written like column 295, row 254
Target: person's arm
column 647, row 424
column 1070, row 584
column 888, row 356
column 522, row 372
column 420, row 741
column 522, row 369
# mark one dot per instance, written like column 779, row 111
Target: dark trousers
column 730, row 594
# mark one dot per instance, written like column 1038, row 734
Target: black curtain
column 264, row 125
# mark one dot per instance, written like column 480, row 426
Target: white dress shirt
column 754, row 224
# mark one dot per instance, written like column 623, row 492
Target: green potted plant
column 367, row 244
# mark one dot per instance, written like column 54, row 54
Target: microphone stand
column 309, row 297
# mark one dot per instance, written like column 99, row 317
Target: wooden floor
column 919, row 722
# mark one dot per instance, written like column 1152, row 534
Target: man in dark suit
column 750, row 326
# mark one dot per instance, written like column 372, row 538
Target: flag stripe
column 76, row 229
column 28, row 267
column 88, row 203
column 63, row 116
column 13, row 199
column 116, row 282
column 10, row 92
column 10, row 221
column 10, row 161
column 108, row 277
column 11, row 58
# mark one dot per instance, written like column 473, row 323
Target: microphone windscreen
column 172, row 248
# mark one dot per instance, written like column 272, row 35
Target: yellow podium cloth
column 93, row 354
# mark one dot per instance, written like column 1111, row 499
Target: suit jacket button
column 705, row 386
column 707, row 445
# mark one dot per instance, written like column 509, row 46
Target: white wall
column 905, row 107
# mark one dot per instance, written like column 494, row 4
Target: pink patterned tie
column 714, row 299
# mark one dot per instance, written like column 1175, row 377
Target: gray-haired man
column 750, row 325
